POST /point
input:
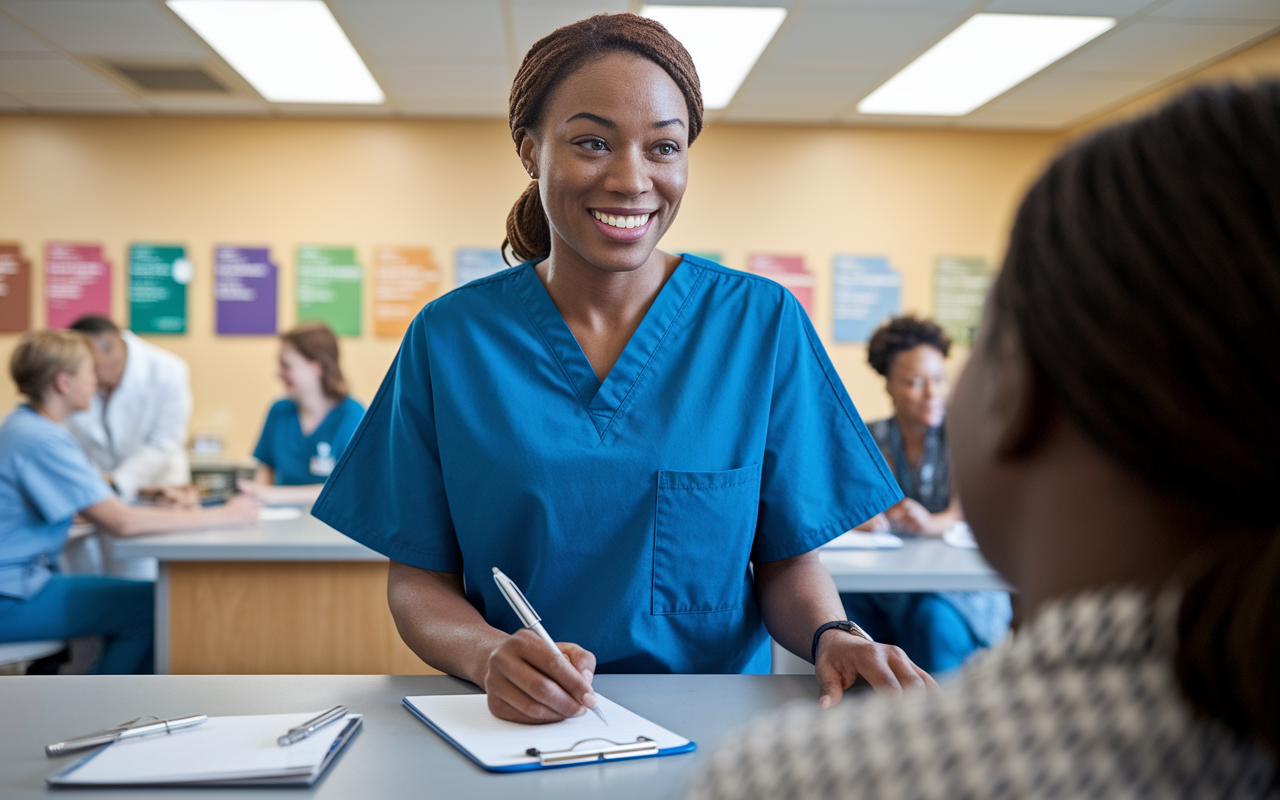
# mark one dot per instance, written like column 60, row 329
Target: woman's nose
column 629, row 174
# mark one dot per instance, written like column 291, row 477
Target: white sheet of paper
column 498, row 743
column 221, row 748
column 278, row 513
column 863, row 540
column 960, row 535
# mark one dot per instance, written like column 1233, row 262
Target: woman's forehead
column 620, row 87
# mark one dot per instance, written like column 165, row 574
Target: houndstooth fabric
column 1083, row 703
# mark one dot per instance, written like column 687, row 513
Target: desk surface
column 395, row 755
column 921, row 565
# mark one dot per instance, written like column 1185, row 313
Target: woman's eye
column 666, row 149
column 597, row 145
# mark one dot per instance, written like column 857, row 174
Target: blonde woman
column 45, row 481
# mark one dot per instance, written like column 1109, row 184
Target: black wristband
column 848, row 626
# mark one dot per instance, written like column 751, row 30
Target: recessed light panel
column 982, row 59
column 291, row 51
column 724, row 41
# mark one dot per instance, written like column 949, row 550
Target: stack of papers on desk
column 225, row 751
column 861, row 540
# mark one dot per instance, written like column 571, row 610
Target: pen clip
column 642, row 746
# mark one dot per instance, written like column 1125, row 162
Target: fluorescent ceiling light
column 985, row 57
column 292, row 51
column 724, row 41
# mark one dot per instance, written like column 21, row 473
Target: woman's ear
column 1024, row 410
column 528, row 153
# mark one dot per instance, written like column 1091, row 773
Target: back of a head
column 552, row 59
column 316, row 342
column 1143, row 283
column 94, row 325
column 41, row 356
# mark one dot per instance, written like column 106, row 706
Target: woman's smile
column 621, row 224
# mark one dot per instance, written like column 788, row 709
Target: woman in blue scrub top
column 651, row 446
column 308, row 429
column 45, row 480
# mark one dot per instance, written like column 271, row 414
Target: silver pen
column 312, row 725
column 126, row 731
column 530, row 619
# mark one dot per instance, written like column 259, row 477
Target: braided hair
column 1143, row 283
column 552, row 59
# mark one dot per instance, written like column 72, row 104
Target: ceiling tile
column 785, row 84
column 1267, row 10
column 15, row 40
column 812, row 113
column 955, row 6
column 434, row 29
column 72, row 102
column 534, row 19
column 210, row 105
column 475, row 108
column 107, row 27
column 1080, row 8
column 857, row 38
column 1159, row 48
column 1016, row 121
column 19, row 75
column 1069, row 95
column 446, row 79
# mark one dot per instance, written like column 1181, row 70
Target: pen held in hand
column 530, row 619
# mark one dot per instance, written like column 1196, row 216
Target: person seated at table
column 937, row 630
column 651, row 446
column 45, row 480
column 308, row 429
column 135, row 430
column 1115, row 443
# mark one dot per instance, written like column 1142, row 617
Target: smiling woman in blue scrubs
column 651, row 446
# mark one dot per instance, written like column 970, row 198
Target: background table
column 297, row 597
column 291, row 596
column 395, row 756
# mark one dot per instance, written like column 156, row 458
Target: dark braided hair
column 1143, row 283
column 554, row 58
column 901, row 334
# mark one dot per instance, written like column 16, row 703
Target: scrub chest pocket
column 702, row 535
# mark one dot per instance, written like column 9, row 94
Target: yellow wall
column 911, row 195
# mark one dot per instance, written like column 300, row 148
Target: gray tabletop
column 921, row 565
column 395, row 755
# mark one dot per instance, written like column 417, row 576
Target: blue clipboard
column 561, row 758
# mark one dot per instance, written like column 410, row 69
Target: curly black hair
column 901, row 334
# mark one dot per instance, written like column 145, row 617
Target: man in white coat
column 136, row 429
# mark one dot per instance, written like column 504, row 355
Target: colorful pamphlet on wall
column 960, row 286
column 404, row 280
column 866, row 292
column 245, row 286
column 77, row 281
column 789, row 271
column 15, row 290
column 473, row 263
column 158, row 278
column 329, row 281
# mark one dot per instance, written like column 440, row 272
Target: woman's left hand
column 845, row 657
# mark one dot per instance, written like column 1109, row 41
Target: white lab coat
column 140, row 436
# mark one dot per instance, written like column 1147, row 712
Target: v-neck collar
column 603, row 399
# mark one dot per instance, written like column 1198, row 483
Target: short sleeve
column 265, row 452
column 58, row 480
column 387, row 490
column 352, row 413
column 822, row 473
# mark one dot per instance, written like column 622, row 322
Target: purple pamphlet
column 245, row 290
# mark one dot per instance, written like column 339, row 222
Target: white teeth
column 622, row 222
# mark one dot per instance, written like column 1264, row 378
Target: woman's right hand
column 529, row 682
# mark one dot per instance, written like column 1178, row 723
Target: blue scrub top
column 300, row 460
column 628, row 511
column 45, row 479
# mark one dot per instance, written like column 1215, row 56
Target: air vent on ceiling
column 171, row 79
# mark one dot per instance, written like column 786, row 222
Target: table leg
column 162, row 619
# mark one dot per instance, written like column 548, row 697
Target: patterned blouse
column 1081, row 704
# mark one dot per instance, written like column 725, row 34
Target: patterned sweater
column 1082, row 703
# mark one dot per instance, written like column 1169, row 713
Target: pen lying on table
column 312, row 725
column 126, row 731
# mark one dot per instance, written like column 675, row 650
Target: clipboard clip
column 642, row 746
